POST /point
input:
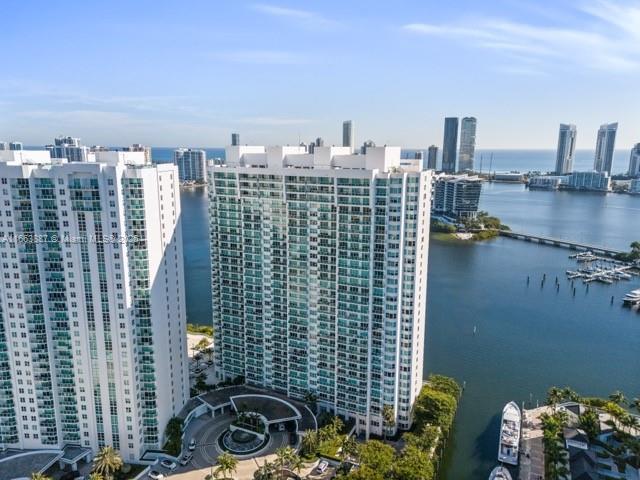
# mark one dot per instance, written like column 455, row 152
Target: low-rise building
column 634, row 186
column 456, row 196
column 546, row 182
column 591, row 181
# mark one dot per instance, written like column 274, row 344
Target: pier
column 557, row 242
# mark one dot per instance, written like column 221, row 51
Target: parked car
column 192, row 444
column 185, row 459
column 166, row 463
column 322, row 466
column 155, row 475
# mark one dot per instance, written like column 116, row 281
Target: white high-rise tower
column 566, row 149
column 467, row 144
column 605, row 146
column 319, row 275
column 92, row 322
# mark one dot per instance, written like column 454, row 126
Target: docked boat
column 509, row 434
column 632, row 297
column 500, row 473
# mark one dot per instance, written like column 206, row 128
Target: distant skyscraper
column 15, row 146
column 432, row 157
column 365, row 145
column 566, row 149
column 192, row 165
column 4, row 146
column 319, row 142
column 69, row 148
column 634, row 161
column 450, row 144
column 467, row 143
column 605, row 146
column 235, row 139
column 347, row 134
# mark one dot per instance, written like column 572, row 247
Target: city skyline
column 516, row 52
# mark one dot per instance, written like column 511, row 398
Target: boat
column 509, row 434
column 632, row 297
column 500, row 473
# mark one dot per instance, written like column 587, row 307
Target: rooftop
column 19, row 464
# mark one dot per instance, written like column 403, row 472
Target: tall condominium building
column 432, row 157
column 235, row 139
column 347, row 134
column 450, row 144
column 69, row 148
column 456, row 196
column 605, row 146
column 634, row 161
column 566, row 149
column 319, row 276
column 138, row 147
column 467, row 144
column 92, row 311
column 192, row 165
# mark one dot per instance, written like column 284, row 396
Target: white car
column 192, row 445
column 155, row 475
column 186, row 459
column 322, row 466
column 168, row 464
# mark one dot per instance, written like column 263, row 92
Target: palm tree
column 284, row 455
column 554, row 396
column 310, row 442
column 107, row 462
column 349, row 447
column 618, row 397
column 96, row 476
column 264, row 472
column 388, row 419
column 39, row 476
column 227, row 464
column 636, row 404
column 296, row 463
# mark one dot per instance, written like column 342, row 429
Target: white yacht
column 500, row 473
column 509, row 434
column 632, row 297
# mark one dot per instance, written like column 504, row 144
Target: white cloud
column 298, row 16
column 609, row 40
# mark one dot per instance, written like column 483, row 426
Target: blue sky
column 191, row 72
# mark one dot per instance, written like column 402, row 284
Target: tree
column 554, row 396
column 39, row 476
column 434, row 408
column 227, row 464
column 388, row 419
column 311, row 399
column 618, row 398
column 377, row 455
column 349, row 447
column 201, row 382
column 636, row 404
column 424, row 439
column 173, row 432
column 309, row 443
column 590, row 423
column 265, row 472
column 445, row 385
column 364, row 472
column 413, row 464
column 96, row 476
column 107, row 462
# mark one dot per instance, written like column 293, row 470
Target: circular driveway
column 207, row 448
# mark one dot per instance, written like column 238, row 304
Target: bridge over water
column 558, row 242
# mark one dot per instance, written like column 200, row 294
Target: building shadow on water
column 485, row 449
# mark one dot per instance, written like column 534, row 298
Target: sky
column 189, row 73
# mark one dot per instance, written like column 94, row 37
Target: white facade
column 595, row 181
column 319, row 275
column 92, row 329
